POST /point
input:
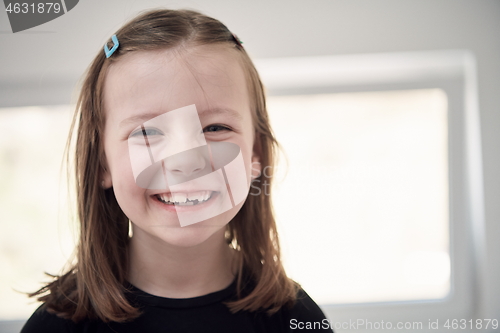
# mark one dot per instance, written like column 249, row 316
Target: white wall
column 41, row 65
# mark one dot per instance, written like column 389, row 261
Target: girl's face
column 145, row 85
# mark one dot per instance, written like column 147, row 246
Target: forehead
column 160, row 81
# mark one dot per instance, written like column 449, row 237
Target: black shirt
column 204, row 314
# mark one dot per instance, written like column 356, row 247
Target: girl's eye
column 215, row 128
column 147, row 132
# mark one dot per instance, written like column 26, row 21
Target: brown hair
column 94, row 286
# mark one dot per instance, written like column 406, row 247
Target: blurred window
column 363, row 202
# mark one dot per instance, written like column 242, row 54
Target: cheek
column 130, row 197
column 124, row 182
column 124, row 186
column 247, row 152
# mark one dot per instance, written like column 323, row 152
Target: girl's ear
column 256, row 166
column 106, row 181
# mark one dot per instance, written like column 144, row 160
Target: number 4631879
column 40, row 8
column 477, row 324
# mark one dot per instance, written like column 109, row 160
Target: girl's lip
column 188, row 208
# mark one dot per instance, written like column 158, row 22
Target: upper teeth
column 179, row 197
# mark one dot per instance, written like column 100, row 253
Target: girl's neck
column 170, row 271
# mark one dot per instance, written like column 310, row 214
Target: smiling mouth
column 185, row 199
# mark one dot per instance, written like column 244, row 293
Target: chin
column 190, row 236
column 173, row 234
column 197, row 233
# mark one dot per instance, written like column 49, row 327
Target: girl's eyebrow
column 139, row 119
column 224, row 111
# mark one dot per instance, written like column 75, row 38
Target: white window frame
column 453, row 71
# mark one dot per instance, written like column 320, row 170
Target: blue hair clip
column 109, row 52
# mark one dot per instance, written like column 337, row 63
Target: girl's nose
column 187, row 163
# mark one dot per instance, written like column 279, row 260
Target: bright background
column 363, row 204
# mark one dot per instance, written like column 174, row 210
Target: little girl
column 172, row 129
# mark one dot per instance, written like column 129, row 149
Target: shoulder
column 43, row 321
column 307, row 315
